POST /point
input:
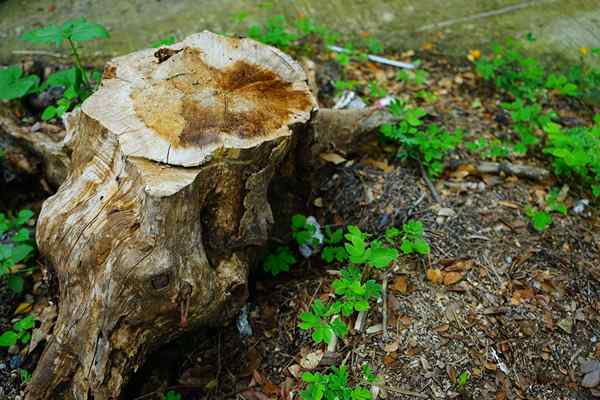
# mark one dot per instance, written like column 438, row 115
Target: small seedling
column 279, row 261
column 333, row 251
column 374, row 255
column 335, row 385
column 354, row 295
column 77, row 82
column 428, row 146
column 318, row 320
column 463, row 379
column 412, row 238
column 21, row 332
column 303, row 231
column 540, row 219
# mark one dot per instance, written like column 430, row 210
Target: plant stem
column 78, row 63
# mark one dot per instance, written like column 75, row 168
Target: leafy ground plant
column 13, row 85
column 322, row 321
column 279, row 261
column 15, row 249
column 171, row 395
column 77, row 82
column 412, row 240
column 576, row 152
column 21, row 332
column 428, row 146
column 541, row 219
column 335, row 385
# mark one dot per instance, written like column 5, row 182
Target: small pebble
column 16, row 361
column 591, row 379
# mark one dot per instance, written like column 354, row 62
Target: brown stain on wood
column 243, row 100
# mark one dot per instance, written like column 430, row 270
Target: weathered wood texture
column 165, row 206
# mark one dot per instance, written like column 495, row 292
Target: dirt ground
column 521, row 315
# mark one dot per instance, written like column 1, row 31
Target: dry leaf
column 400, row 284
column 391, row 347
column 509, row 204
column 435, row 275
column 332, row 158
column 23, row 308
column 450, row 278
column 311, row 360
column 522, row 295
column 295, row 370
column 390, row 358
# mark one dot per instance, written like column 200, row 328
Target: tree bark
column 165, row 206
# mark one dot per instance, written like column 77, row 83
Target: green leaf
column 49, row 113
column 13, row 85
column 298, row 221
column 49, row 34
column 541, row 220
column 21, row 236
column 8, row 338
column 381, row 257
column 82, row 30
column 279, row 261
column 15, row 283
column 23, row 217
column 164, row 42
column 20, row 252
column 25, row 324
column 361, row 394
column 406, row 246
column 421, row 246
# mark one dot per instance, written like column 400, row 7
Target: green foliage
column 333, row 250
column 540, row 219
column 527, row 119
column 21, row 332
column 303, row 232
column 376, row 90
column 373, row 254
column 13, row 85
column 275, row 32
column 416, row 76
column 412, row 238
column 169, row 40
column 354, row 295
column 78, row 84
column 320, row 322
column 429, row 145
column 24, row 375
column 75, row 90
column 512, row 71
column 463, row 378
column 17, row 250
column 73, row 30
column 576, row 152
column 335, row 385
column 341, row 85
column 279, row 261
column 171, row 395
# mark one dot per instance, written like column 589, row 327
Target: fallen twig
column 385, row 310
column 377, row 59
column 520, row 170
column 434, row 193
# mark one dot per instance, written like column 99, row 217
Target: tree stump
column 154, row 229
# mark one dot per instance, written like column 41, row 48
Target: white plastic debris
column 580, row 206
column 349, row 100
column 316, row 240
column 243, row 325
column 377, row 59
